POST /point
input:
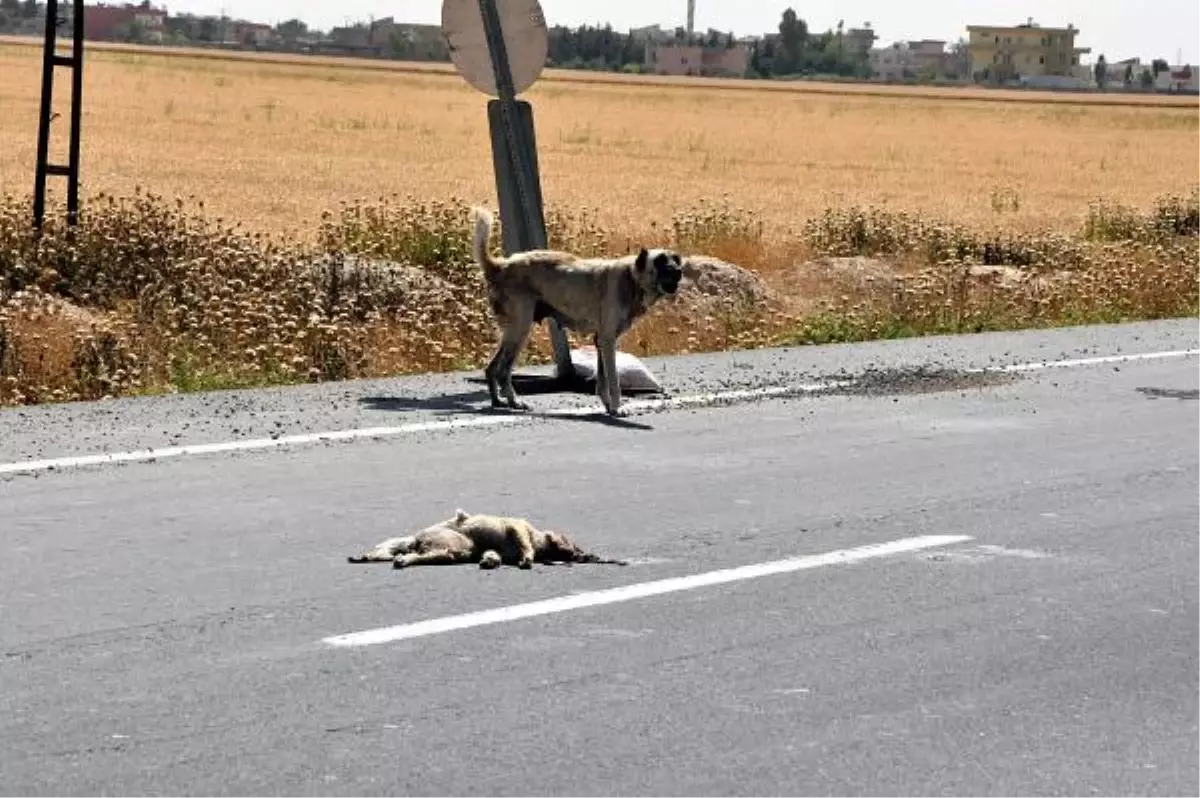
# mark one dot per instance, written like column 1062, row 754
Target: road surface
column 931, row 567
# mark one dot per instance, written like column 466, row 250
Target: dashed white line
column 633, row 407
column 433, row 626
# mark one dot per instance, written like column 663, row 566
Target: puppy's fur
column 598, row 297
column 489, row 540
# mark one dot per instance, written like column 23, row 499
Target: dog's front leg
column 606, row 360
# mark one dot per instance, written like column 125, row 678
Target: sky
column 1119, row 29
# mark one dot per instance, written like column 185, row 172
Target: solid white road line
column 1090, row 361
column 643, row 405
column 660, row 587
column 635, row 406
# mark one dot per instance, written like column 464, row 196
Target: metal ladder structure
column 51, row 59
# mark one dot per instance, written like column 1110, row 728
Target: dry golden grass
column 273, row 142
column 974, row 214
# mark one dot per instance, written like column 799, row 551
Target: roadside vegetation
column 300, row 219
column 153, row 294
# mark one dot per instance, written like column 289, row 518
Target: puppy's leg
column 434, row 557
column 523, row 543
column 385, row 551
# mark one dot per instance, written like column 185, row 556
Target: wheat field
column 229, row 199
column 274, row 142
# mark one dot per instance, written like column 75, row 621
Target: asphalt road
column 163, row 624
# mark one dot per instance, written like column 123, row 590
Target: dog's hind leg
column 500, row 369
column 386, row 551
column 435, row 557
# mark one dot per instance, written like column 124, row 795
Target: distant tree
column 208, row 30
column 291, row 30
column 4, row 20
column 1147, row 79
column 632, row 52
column 134, row 32
column 755, row 61
column 1101, row 71
column 1129, row 74
column 793, row 36
column 12, row 8
column 29, row 9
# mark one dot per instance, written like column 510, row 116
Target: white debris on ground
column 632, row 374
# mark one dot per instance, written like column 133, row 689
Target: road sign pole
column 515, row 163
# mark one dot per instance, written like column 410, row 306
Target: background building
column 1001, row 53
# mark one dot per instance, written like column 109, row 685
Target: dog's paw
column 400, row 562
column 525, row 565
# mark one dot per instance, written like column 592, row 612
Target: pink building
column 679, row 59
column 104, row 22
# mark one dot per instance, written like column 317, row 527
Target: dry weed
column 151, row 294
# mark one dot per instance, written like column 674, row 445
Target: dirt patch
column 919, row 380
column 811, row 283
column 380, row 284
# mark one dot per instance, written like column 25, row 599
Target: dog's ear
column 643, row 260
column 461, row 515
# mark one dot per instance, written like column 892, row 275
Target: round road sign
column 526, row 41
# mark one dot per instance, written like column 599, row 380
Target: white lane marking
column 635, row 406
column 141, row 455
column 597, row 598
column 1090, row 361
column 985, row 553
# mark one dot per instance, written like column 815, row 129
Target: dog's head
column 659, row 271
column 559, row 548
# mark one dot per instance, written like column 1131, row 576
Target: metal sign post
column 74, row 62
column 481, row 35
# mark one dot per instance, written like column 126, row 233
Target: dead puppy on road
column 599, row 297
column 489, row 540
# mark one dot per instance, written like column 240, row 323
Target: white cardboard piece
column 632, row 374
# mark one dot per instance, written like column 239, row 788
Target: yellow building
column 1007, row 52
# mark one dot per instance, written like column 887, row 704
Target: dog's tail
column 588, row 557
column 482, row 241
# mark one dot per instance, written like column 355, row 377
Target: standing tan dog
column 490, row 540
column 600, row 297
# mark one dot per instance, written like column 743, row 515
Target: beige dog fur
column 598, row 297
column 489, row 540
